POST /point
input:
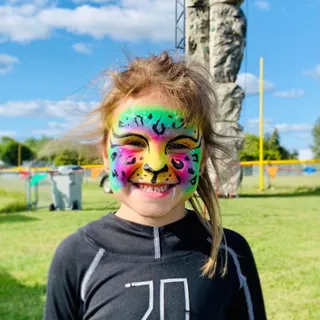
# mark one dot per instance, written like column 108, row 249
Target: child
column 153, row 258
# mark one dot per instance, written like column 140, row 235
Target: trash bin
column 66, row 188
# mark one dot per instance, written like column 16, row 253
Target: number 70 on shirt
column 163, row 282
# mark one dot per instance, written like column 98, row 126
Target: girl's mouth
column 160, row 188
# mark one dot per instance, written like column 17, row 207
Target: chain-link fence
column 17, row 187
column 290, row 176
column 13, row 185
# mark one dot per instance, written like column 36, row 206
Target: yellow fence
column 243, row 163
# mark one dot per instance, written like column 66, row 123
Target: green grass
column 282, row 226
column 11, row 201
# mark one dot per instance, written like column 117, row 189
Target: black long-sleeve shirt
column 116, row 269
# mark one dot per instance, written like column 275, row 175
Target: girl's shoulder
column 76, row 250
column 236, row 243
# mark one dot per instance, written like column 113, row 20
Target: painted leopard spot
column 193, row 181
column 178, row 164
column 132, row 161
column 156, row 130
column 195, row 157
column 113, row 156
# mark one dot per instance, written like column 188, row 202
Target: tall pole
column 261, row 124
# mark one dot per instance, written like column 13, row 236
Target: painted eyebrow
column 129, row 134
column 195, row 140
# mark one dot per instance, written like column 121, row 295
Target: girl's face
column 153, row 157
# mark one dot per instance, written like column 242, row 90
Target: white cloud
column 314, row 73
column 54, row 129
column 292, row 93
column 81, row 47
column 263, row 5
column 131, row 20
column 64, row 109
column 21, row 24
column 251, row 83
column 6, row 63
column 37, row 3
column 254, row 123
column 91, row 1
column 301, row 129
column 8, row 134
column 305, row 154
column 285, row 127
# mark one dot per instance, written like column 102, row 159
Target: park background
column 52, row 55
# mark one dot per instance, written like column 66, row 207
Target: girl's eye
column 135, row 144
column 177, row 146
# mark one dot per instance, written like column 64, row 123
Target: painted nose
column 147, row 168
column 155, row 173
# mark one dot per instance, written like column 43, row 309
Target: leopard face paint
column 152, row 144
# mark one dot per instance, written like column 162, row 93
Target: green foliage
column 250, row 150
column 89, row 154
column 6, row 139
column 49, row 150
column 37, row 144
column 81, row 154
column 9, row 152
column 295, row 154
column 66, row 157
column 272, row 148
column 316, row 139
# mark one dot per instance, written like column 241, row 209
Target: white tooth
column 153, row 189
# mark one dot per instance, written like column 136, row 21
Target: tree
column 250, row 150
column 273, row 150
column 274, row 142
column 66, row 157
column 89, row 154
column 9, row 153
column 295, row 154
column 37, row 144
column 5, row 140
column 316, row 139
column 272, row 147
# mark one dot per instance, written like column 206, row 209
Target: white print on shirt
column 162, row 300
column 144, row 283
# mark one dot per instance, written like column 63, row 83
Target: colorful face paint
column 152, row 144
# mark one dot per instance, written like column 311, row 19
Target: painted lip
column 153, row 194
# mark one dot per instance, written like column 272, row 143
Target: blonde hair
column 188, row 87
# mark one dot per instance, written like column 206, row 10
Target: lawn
column 281, row 225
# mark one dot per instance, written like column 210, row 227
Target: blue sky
column 52, row 54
